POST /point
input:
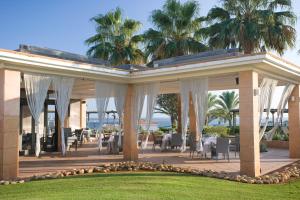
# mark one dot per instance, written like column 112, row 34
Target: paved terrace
column 88, row 155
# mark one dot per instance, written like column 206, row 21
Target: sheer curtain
column 184, row 87
column 63, row 90
column 152, row 90
column 103, row 92
column 286, row 93
column 36, row 88
column 139, row 98
column 199, row 89
column 267, row 90
column 120, row 91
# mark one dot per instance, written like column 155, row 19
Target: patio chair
column 79, row 135
column 157, row 140
column 222, row 146
column 235, row 144
column 193, row 146
column 69, row 140
column 176, row 140
column 115, row 146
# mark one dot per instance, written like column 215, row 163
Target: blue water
column 162, row 122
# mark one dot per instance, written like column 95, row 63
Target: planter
column 277, row 144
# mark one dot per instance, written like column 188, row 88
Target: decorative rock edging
column 281, row 176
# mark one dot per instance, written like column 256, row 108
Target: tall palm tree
column 174, row 33
column 115, row 40
column 252, row 25
column 226, row 102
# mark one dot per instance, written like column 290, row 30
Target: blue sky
column 65, row 24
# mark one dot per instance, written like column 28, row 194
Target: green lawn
column 146, row 185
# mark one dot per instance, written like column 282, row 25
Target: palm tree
column 115, row 40
column 211, row 107
column 226, row 102
column 173, row 35
column 253, row 25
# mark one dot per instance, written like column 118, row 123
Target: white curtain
column 63, row 90
column 152, row 90
column 36, row 87
column 286, row 93
column 267, row 90
column 103, row 92
column 198, row 87
column 119, row 97
column 185, row 88
column 199, row 91
column 139, row 98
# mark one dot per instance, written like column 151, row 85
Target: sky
column 65, row 24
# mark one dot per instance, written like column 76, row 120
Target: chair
column 157, row 140
column 115, row 146
column 79, row 135
column 235, row 144
column 193, row 146
column 69, row 140
column 176, row 140
column 222, row 146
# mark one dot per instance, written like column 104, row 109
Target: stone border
column 282, row 176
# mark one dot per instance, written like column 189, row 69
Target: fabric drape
column 36, row 88
column 267, row 90
column 286, row 93
column 199, row 95
column 185, row 88
column 103, row 92
column 63, row 89
column 198, row 87
column 139, row 98
column 119, row 97
column 152, row 90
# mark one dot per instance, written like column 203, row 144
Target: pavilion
column 222, row 70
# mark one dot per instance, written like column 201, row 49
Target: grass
column 146, row 185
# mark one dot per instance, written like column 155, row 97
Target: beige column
column 179, row 125
column 9, row 123
column 249, row 124
column 192, row 116
column 294, row 123
column 83, row 114
column 130, row 151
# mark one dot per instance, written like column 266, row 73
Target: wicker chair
column 176, row 140
column 222, row 146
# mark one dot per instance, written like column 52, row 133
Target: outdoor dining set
column 212, row 145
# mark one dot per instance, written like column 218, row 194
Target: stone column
column 9, row 123
column 193, row 124
column 83, row 114
column 130, row 151
column 294, row 123
column 249, row 124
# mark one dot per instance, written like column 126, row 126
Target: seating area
column 88, row 155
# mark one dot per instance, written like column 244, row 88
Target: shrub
column 234, row 130
column 220, row 131
column 276, row 136
column 164, row 129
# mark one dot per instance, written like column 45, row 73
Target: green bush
column 220, row 131
column 164, row 129
column 234, row 130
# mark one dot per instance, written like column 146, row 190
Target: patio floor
column 88, row 155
